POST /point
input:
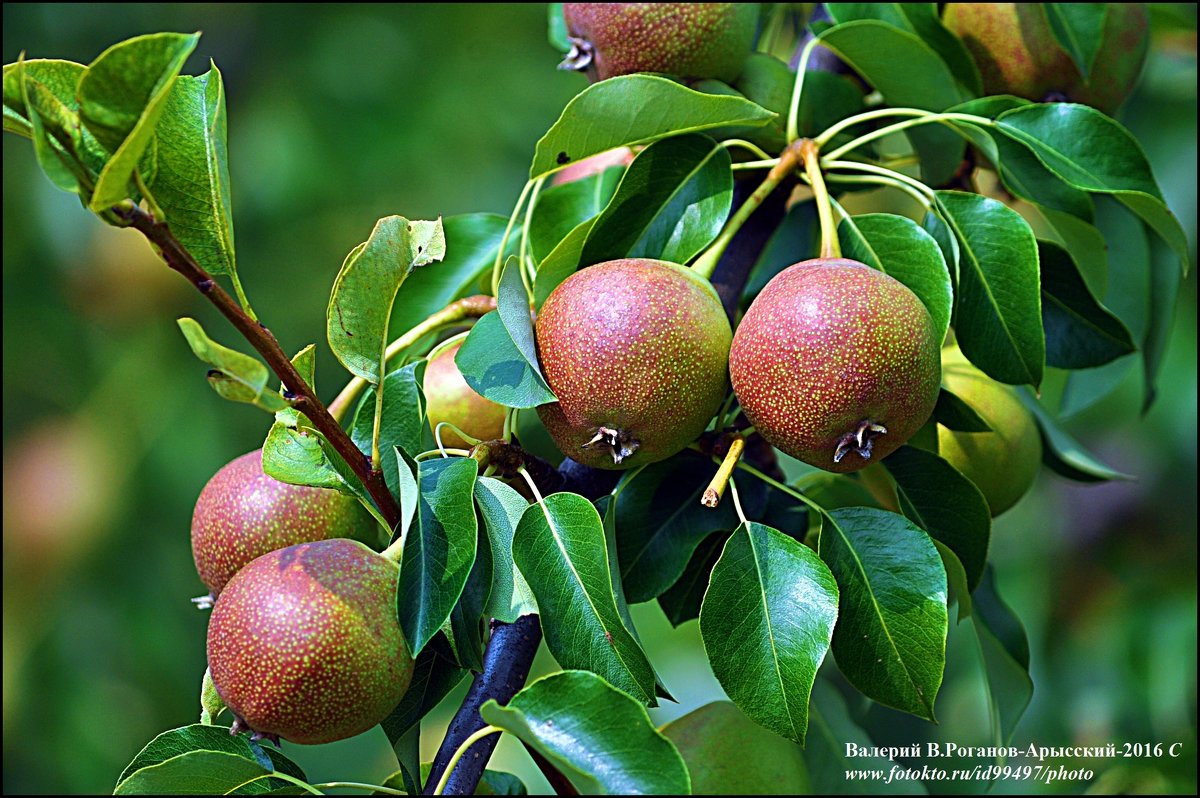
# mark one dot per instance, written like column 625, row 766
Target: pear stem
column 789, row 159
column 716, row 488
column 457, row 312
column 810, row 151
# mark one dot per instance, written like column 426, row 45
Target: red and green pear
column 304, row 642
column 836, row 363
column 242, row 514
column 449, row 398
column 636, row 352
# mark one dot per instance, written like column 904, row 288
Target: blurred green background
column 339, row 115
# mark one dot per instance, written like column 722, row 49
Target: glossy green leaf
column 1164, row 287
column 681, row 602
column 499, row 358
column 54, row 128
column 405, row 489
column 767, row 620
column 467, row 617
column 200, row 737
column 561, row 550
column 953, row 413
column 827, row 98
column 121, row 98
column 600, row 738
column 671, row 203
column 439, row 549
column 1080, row 332
column 432, row 680
column 1064, row 455
column 951, row 254
column 1094, row 153
column 299, row 455
column 635, row 109
column 944, row 503
column 1079, row 29
column 998, row 321
column 60, row 78
column 890, row 640
column 831, row 731
column 471, row 243
column 908, row 73
column 727, row 754
column 211, row 703
column 921, row 20
column 898, row 247
column 560, row 209
column 1084, row 243
column 501, row 508
column 1005, row 650
column 191, row 184
column 234, row 376
column 402, row 422
column 366, row 287
column 201, row 773
column 795, row 239
column 660, row 522
column 562, row 261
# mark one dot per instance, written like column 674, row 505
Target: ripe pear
column 836, row 363
column 1017, row 52
column 242, row 514
column 1002, row 463
column 449, row 398
column 636, row 351
column 304, row 642
column 689, row 40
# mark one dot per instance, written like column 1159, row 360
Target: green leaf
column 1079, row 29
column 671, row 203
column 793, row 240
column 827, row 98
column 1164, row 287
column 562, row 261
column 366, row 288
column 1080, row 332
column 432, row 680
column 681, row 602
column 211, row 703
column 402, row 422
column 201, row 773
column 945, row 504
column 1092, row 152
column 890, row 641
column 192, row 181
column 501, row 507
column 198, row 737
column 471, row 244
column 234, row 376
column 560, row 209
column 767, row 620
column 635, row 109
column 831, row 733
column 998, row 321
column 598, row 737
column 908, row 73
column 499, row 358
column 953, row 413
column 1005, row 650
column 121, row 98
column 727, row 754
column 560, row 547
column 54, row 127
column 557, row 27
column 1064, row 455
column 60, row 78
column 1084, row 243
column 921, row 20
column 439, row 549
column 899, row 247
column 660, row 522
column 467, row 617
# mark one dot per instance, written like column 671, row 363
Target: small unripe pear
column 1017, row 53
column 242, row 514
column 449, row 398
column 1002, row 463
column 836, row 363
column 304, row 642
column 636, row 352
column 690, row 40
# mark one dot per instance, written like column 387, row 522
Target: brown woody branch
column 305, row 400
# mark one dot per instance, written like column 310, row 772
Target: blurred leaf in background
column 342, row 114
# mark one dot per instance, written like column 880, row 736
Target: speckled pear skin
column 449, row 398
column 1017, row 52
column 635, row 345
column 827, row 344
column 691, row 40
column 304, row 642
column 242, row 514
